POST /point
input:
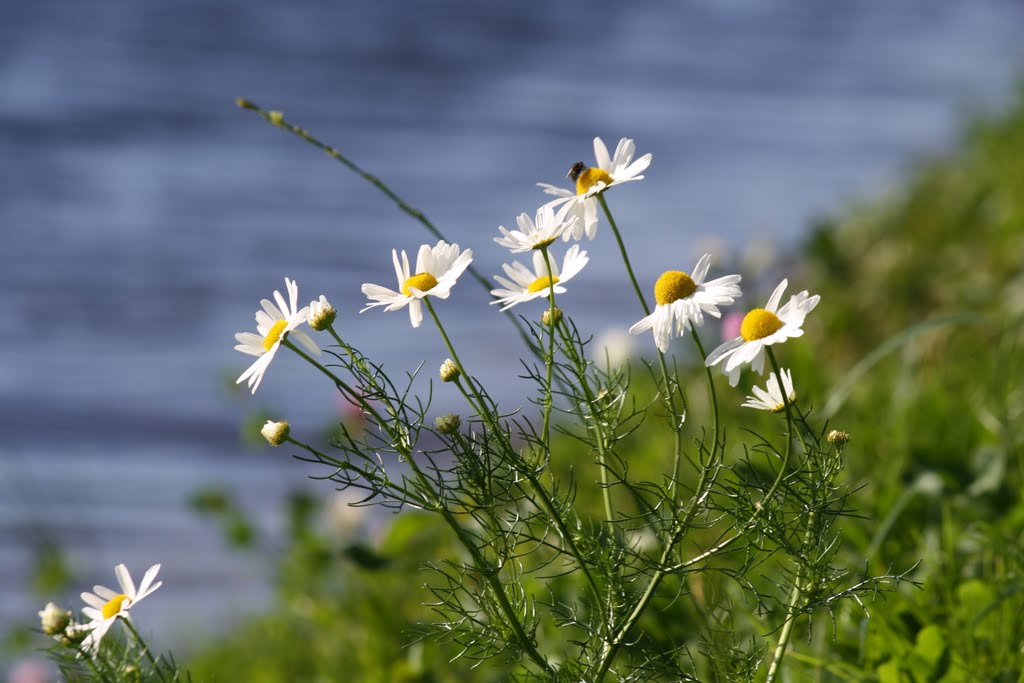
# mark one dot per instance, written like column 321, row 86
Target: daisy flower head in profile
column 682, row 299
column 761, row 328
column 592, row 180
column 772, row 399
column 523, row 284
column 105, row 605
column 437, row 269
column 273, row 324
column 539, row 233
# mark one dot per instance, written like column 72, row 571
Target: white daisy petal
column 683, row 299
column 437, row 269
column 761, row 328
column 273, row 323
column 107, row 605
column 526, row 285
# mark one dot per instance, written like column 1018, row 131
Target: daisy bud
column 551, row 316
column 54, row 619
column 838, row 437
column 276, row 117
column 449, row 371
column 321, row 314
column 448, row 424
column 276, row 432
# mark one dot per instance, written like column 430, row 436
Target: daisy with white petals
column 682, row 299
column 590, row 181
column 538, row 234
column 106, row 604
column 772, row 400
column 761, row 328
column 437, row 269
column 526, row 285
column 274, row 323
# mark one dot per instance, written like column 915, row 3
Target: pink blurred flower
column 731, row 323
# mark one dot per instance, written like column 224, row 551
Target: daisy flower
column 538, row 234
column 106, row 604
column 437, row 269
column 772, row 400
column 274, row 323
column 593, row 180
column 682, row 300
column 763, row 327
column 525, row 285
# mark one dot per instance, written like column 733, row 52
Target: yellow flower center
column 113, row 606
column 274, row 334
column 543, row 243
column 759, row 324
column 421, row 281
column 590, row 177
column 541, row 283
column 673, row 285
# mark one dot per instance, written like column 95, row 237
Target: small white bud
column 54, row 619
column 548, row 318
column 449, row 371
column 321, row 314
column 276, row 432
column 838, row 437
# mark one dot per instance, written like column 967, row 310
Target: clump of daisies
column 82, row 646
column 558, row 533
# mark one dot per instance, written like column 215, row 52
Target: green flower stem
column 475, row 398
column 276, row 119
column 145, row 649
column 549, row 359
column 345, row 465
column 87, row 656
column 711, row 389
column 314, row 362
column 622, row 251
column 711, row 552
column 792, row 609
column 490, row 573
column 595, row 423
column 677, row 417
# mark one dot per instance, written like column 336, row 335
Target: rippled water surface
column 144, row 216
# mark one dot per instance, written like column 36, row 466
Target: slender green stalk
column 625, row 255
column 87, row 656
column 475, row 398
column 277, row 119
column 677, row 417
column 792, row 610
column 549, row 359
column 145, row 649
column 595, row 422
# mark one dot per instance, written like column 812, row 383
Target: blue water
column 144, row 216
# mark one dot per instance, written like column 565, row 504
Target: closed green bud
column 448, row 424
column 551, row 316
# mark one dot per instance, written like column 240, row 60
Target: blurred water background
column 144, row 216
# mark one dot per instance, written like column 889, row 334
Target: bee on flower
column 593, row 180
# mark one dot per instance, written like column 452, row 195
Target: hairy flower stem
column 670, row 392
column 474, row 396
column 276, row 119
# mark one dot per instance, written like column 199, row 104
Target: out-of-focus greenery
column 917, row 350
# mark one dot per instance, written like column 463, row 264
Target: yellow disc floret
column 673, row 285
column 541, row 283
column 759, row 324
column 113, row 606
column 421, row 281
column 590, row 177
column 274, row 334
